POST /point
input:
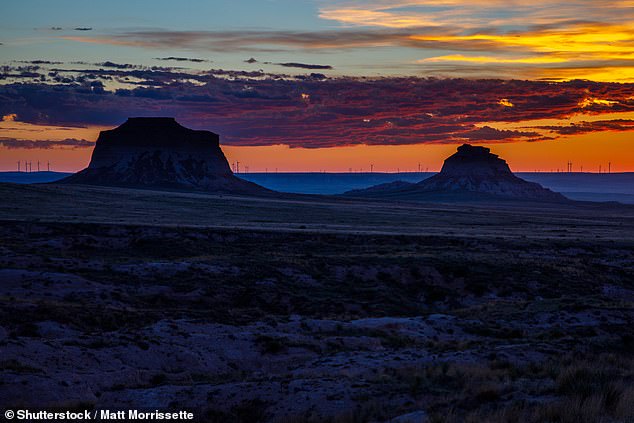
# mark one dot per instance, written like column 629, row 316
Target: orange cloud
column 589, row 40
column 505, row 102
column 489, row 59
column 471, row 13
column 587, row 102
column 597, row 51
column 366, row 17
column 11, row 117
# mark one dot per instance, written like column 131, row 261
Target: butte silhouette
column 472, row 173
column 158, row 152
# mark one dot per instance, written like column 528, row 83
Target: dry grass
column 586, row 391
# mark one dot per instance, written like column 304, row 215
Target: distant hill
column 616, row 183
column 327, row 183
column 32, row 177
column 577, row 186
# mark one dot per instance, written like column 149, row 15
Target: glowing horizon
column 542, row 156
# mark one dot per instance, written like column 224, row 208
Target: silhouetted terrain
column 32, row 177
column 315, row 309
column 156, row 152
column 471, row 174
column 576, row 186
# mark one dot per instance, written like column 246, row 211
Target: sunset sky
column 325, row 85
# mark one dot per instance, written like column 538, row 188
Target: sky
column 325, row 85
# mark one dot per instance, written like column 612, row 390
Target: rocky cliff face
column 472, row 173
column 160, row 153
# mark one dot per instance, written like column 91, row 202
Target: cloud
column 181, row 59
column 617, row 125
column 108, row 64
column 533, row 39
column 258, row 109
column 470, row 13
column 556, row 39
column 570, row 50
column 83, row 28
column 11, row 117
column 590, row 101
column 492, row 60
column 304, row 66
column 249, row 41
column 12, row 143
column 41, row 62
column 251, row 60
column 505, row 102
column 487, row 133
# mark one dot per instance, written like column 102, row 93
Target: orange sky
column 588, row 150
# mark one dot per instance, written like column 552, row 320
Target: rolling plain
column 315, row 308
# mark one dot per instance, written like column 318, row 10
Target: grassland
column 303, row 308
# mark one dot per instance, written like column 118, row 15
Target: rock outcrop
column 472, row 173
column 160, row 153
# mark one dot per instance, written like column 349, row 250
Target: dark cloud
column 13, row 143
column 25, row 74
column 20, row 72
column 304, row 66
column 254, row 108
column 41, row 62
column 197, row 98
column 83, row 28
column 151, row 93
column 251, row 60
column 486, row 133
column 56, row 28
column 242, row 74
column 108, row 64
column 617, row 125
column 181, row 59
column 315, row 76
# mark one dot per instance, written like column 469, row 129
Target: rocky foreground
column 252, row 325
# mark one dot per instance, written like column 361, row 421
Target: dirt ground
column 303, row 308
